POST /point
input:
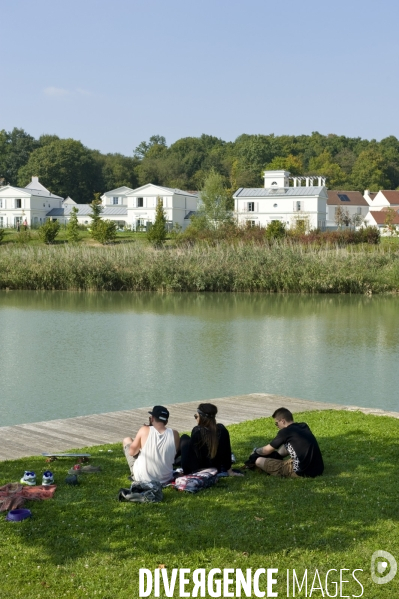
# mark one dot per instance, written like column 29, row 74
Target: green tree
column 96, row 210
column 64, row 166
column 324, row 165
column 73, row 226
column 369, row 171
column 144, row 147
column 157, row 232
column 104, row 232
column 290, row 163
column 48, row 231
column 15, row 149
column 216, row 200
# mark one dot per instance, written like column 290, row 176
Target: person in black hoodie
column 209, row 445
column 294, row 439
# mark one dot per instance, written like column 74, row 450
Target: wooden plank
column 61, row 435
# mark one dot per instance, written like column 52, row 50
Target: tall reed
column 283, row 267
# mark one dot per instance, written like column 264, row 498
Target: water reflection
column 65, row 354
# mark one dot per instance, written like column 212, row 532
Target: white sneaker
column 48, row 478
column 29, row 478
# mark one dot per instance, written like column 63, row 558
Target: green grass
column 13, row 238
column 84, row 543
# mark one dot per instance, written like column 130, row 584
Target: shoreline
column 31, row 439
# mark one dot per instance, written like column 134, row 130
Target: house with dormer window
column 30, row 203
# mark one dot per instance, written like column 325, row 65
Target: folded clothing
column 14, row 495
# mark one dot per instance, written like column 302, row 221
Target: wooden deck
column 24, row 440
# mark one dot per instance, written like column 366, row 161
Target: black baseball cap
column 160, row 412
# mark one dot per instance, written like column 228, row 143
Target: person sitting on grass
column 152, row 452
column 296, row 440
column 209, row 445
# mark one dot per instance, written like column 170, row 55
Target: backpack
column 150, row 492
column 192, row 483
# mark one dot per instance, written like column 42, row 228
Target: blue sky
column 113, row 73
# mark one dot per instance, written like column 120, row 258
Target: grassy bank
column 135, row 267
column 83, row 543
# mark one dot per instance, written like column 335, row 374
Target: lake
column 66, row 354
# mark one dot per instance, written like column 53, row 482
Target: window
column 1, row 222
column 18, row 203
column 359, row 210
column 343, row 197
column 251, row 223
column 1, row 203
column 274, row 183
column 140, row 202
column 251, row 206
column 274, row 205
column 298, row 206
column 115, row 200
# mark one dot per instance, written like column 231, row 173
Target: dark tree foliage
column 15, row 149
column 67, row 167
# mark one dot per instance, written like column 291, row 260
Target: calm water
column 67, row 354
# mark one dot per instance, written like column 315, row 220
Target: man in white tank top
column 152, row 452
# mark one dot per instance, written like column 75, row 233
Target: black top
column 197, row 455
column 302, row 447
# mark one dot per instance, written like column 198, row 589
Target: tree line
column 67, row 167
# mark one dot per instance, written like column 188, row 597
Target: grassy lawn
column 84, row 543
column 12, row 237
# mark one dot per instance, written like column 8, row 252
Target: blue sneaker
column 48, row 478
column 29, row 478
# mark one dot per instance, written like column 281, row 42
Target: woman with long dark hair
column 209, row 445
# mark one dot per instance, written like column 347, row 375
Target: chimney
column 35, row 179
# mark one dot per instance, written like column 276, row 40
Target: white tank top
column 156, row 458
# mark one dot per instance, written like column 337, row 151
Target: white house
column 116, row 197
column 178, row 205
column 351, row 201
column 32, row 203
column 385, row 199
column 278, row 201
column 114, row 213
column 378, row 218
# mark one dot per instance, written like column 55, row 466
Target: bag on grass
column 142, row 492
column 192, row 483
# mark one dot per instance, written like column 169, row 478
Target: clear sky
column 112, row 73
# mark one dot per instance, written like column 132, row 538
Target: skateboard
column 81, row 457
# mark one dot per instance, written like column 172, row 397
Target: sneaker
column 233, row 458
column 48, row 478
column 29, row 478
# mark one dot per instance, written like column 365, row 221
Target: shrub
column 49, row 231
column 23, row 236
column 2, row 232
column 104, row 231
column 275, row 230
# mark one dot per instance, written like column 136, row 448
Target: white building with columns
column 285, row 199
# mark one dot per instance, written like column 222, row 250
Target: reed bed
column 283, row 268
